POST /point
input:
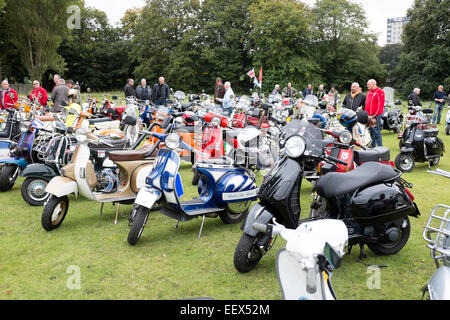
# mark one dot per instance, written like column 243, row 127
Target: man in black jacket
column 161, row 93
column 144, row 92
column 413, row 99
column 129, row 89
column 355, row 99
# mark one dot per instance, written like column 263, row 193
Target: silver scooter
column 437, row 234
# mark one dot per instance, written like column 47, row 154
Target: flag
column 251, row 74
column 260, row 77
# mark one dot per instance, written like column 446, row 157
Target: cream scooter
column 120, row 179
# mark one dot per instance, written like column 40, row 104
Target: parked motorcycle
column 419, row 144
column 313, row 251
column 372, row 201
column 225, row 191
column 447, row 121
column 392, row 119
column 437, row 235
column 20, row 153
column 9, row 132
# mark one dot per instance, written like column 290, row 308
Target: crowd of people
column 159, row 94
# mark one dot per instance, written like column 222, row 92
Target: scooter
column 313, row 251
column 9, row 132
column 79, row 177
column 392, row 119
column 20, row 153
column 372, row 201
column 437, row 235
column 225, row 190
column 420, row 145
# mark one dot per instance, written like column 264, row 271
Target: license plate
column 147, row 198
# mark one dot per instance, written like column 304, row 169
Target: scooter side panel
column 236, row 186
column 39, row 170
column 61, row 186
column 439, row 285
column 20, row 162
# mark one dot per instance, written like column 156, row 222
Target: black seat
column 335, row 184
column 373, row 155
column 99, row 120
column 117, row 144
column 432, row 132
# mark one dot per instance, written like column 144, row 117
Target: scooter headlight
column 24, row 127
column 295, row 147
column 81, row 135
column 172, row 141
column 346, row 137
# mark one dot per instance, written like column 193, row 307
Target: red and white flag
column 252, row 73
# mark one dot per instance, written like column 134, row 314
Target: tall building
column 395, row 29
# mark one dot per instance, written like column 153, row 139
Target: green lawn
column 174, row 264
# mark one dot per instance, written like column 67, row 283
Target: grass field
column 171, row 263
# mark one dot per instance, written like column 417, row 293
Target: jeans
column 161, row 102
column 375, row 133
column 438, row 112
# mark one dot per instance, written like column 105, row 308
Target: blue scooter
column 225, row 190
column 9, row 131
column 20, row 154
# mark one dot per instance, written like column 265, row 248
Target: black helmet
column 348, row 118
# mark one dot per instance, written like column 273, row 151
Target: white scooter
column 447, row 121
column 313, row 251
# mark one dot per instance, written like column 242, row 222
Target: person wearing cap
column 39, row 94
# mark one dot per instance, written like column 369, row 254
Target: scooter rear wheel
column 139, row 221
column 391, row 248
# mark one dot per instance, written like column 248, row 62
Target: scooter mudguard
column 258, row 214
column 147, row 197
column 62, row 186
column 39, row 170
column 293, row 278
column 439, row 285
column 21, row 162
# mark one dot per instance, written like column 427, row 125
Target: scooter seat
column 99, row 120
column 336, row 184
column 117, row 144
column 131, row 155
column 433, row 132
column 218, row 161
column 373, row 155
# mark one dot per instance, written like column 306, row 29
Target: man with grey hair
column 59, row 96
column 8, row 96
column 413, row 99
column 276, row 90
column 143, row 91
column 228, row 101
column 161, row 92
column 355, row 99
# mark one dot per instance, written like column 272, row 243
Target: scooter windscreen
column 309, row 132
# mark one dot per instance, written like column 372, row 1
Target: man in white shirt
column 228, row 101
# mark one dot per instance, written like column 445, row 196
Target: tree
column 279, row 41
column 343, row 47
column 36, row 28
column 96, row 55
column 424, row 62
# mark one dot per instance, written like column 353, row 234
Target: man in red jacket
column 375, row 101
column 8, row 96
column 39, row 93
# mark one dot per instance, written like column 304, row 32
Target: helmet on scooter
column 348, row 118
column 72, row 93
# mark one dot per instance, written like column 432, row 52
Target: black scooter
column 392, row 119
column 372, row 200
column 419, row 145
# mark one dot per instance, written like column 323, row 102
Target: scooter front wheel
column 54, row 213
column 405, row 162
column 7, row 180
column 33, row 191
column 247, row 254
column 138, row 225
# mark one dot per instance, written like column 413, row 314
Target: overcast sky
column 377, row 11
